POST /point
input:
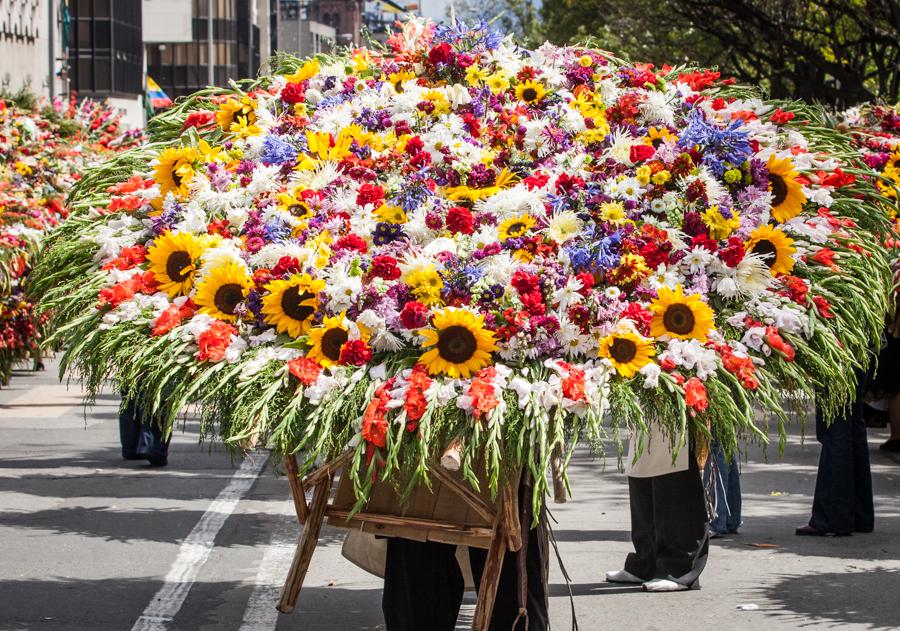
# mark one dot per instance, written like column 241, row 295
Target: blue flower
column 277, row 151
column 729, row 145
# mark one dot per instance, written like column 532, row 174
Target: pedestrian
column 423, row 585
column 141, row 438
column 724, row 475
column 843, row 501
column 668, row 517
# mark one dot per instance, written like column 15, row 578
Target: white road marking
column 260, row 614
column 196, row 548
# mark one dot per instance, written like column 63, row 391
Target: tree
column 839, row 52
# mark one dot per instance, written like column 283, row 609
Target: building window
column 106, row 53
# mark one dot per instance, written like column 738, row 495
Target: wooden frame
column 504, row 533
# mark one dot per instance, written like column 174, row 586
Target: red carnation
column 351, row 242
column 293, row 93
column 355, row 353
column 286, row 265
column 640, row 316
column 441, row 54
column 414, row 315
column 641, row 152
column 460, row 220
column 384, row 266
column 370, row 194
column 414, row 145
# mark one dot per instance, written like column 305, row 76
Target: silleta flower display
column 41, row 156
column 464, row 241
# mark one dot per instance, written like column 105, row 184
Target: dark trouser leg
column 423, row 586
column 680, row 518
column 844, row 480
column 506, row 605
column 863, row 502
column 642, row 562
column 129, row 431
column 152, row 445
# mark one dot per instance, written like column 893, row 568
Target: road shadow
column 836, row 599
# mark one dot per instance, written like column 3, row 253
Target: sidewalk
column 91, row 542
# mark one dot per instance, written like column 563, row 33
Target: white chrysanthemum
column 341, row 288
column 620, row 147
column 499, row 268
column 656, row 109
column 271, row 253
column 318, row 178
column 563, row 226
column 224, row 252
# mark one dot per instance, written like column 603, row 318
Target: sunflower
column 230, row 110
column 290, row 304
column 515, row 227
column 397, row 79
column 787, row 192
column 462, row 346
column 774, row 246
column 530, row 91
column 172, row 258
column 307, row 71
column 294, row 204
column 628, row 352
column 219, row 294
column 174, row 170
column 893, row 162
column 680, row 316
column 657, row 136
column 327, row 341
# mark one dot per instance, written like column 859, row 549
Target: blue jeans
column 843, row 500
column 728, row 490
column 140, row 440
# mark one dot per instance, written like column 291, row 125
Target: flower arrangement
column 458, row 240
column 41, row 156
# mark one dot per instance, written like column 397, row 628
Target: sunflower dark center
column 457, row 344
column 623, row 350
column 767, row 250
column 228, row 297
column 176, row 177
column 679, row 319
column 517, row 228
column 296, row 209
column 529, row 94
column 332, row 341
column 779, row 189
column 178, row 266
column 656, row 142
column 292, row 304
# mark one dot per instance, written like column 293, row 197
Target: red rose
column 293, row 93
column 641, row 152
column 460, row 220
column 414, row 315
column 384, row 266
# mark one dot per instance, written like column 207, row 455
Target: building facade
column 30, row 46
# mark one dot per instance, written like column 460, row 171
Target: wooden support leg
column 305, row 546
column 297, row 489
column 490, row 580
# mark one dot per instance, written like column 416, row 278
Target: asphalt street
column 92, row 542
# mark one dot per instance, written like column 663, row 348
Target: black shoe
column 158, row 462
column 892, row 445
column 809, row 531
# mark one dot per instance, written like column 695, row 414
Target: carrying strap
column 522, row 552
column 562, row 567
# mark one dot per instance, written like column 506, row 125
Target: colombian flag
column 158, row 98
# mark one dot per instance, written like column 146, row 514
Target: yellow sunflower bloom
column 719, row 226
column 787, row 192
column 679, row 316
column 774, row 246
column 291, row 304
column 628, row 352
column 531, row 92
column 462, row 346
column 220, row 293
column 326, row 341
column 231, row 109
column 307, row 71
column 174, row 170
column 173, row 259
column 657, row 136
column 397, row 79
column 294, row 204
column 426, row 284
column 515, row 227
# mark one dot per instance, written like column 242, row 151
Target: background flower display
column 42, row 153
column 461, row 240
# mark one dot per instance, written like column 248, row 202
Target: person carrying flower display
column 457, row 240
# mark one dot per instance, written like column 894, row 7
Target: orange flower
column 172, row 317
column 573, row 384
column 415, row 403
column 305, row 369
column 374, row 425
column 825, row 257
column 481, row 391
column 773, row 337
column 214, row 341
column 695, row 395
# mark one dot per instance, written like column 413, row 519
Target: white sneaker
column 621, row 576
column 664, row 585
